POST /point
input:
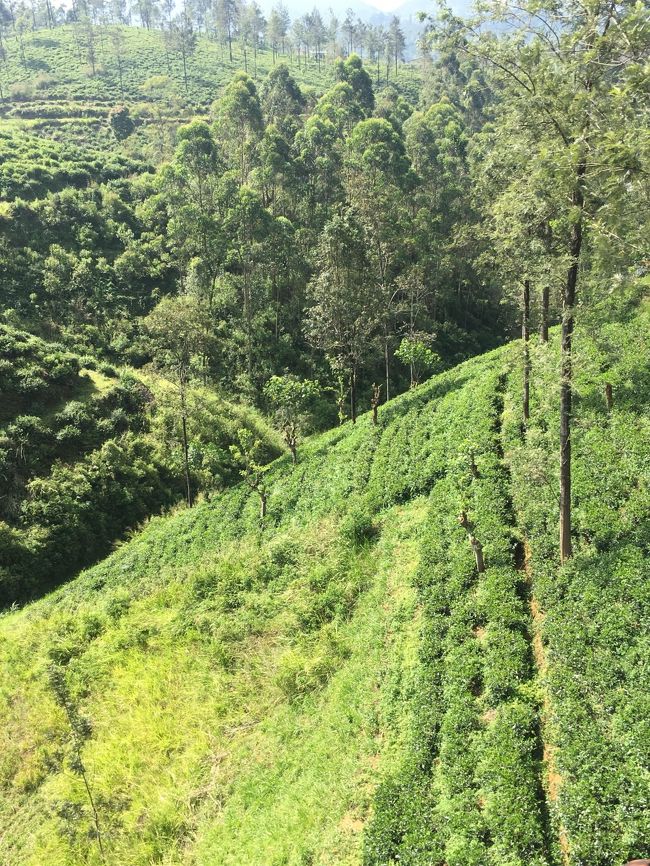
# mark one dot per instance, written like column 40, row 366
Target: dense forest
column 331, row 367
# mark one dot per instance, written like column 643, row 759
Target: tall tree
column 239, row 123
column 378, row 175
column 177, row 328
column 226, row 21
column 343, row 318
column 566, row 71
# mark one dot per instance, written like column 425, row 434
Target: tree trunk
column 543, row 327
column 525, row 334
column 262, row 494
column 476, row 545
column 566, row 370
column 353, row 395
column 186, row 450
column 374, row 403
column 186, row 460
column 387, row 366
column 609, row 396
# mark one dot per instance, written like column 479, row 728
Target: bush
column 358, row 526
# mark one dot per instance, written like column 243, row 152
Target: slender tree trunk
column 374, row 403
column 475, row 544
column 525, row 334
column 353, row 394
column 387, row 366
column 609, row 396
column 543, row 327
column 186, row 449
column 566, row 370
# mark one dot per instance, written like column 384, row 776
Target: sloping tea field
column 340, row 683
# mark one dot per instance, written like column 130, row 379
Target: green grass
column 339, row 685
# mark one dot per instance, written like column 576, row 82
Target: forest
column 324, row 434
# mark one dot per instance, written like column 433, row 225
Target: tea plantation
column 390, row 668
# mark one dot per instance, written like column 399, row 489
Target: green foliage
column 419, row 357
column 97, row 457
column 387, row 686
column 291, row 400
column 121, row 122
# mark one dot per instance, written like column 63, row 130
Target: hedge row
column 469, row 791
column 596, row 609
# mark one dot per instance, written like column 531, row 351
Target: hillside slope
column 340, row 685
column 88, row 452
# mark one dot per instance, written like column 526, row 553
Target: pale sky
column 385, row 5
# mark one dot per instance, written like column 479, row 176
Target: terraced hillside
column 55, row 110
column 391, row 668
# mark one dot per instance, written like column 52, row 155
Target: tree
column 349, row 30
column 247, row 455
column 419, row 358
column 182, row 39
column 290, row 398
column 79, row 730
column 274, row 32
column 255, row 25
column 178, row 330
column 342, row 320
column 396, row 40
column 316, row 33
column 565, row 71
column 121, row 122
column 226, row 21
column 282, row 100
column 118, row 41
column 378, row 175
column 351, row 71
column 192, row 187
column 239, row 123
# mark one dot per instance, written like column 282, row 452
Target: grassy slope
column 67, row 412
column 340, row 686
column 55, row 56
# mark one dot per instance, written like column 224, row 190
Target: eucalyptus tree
column 274, row 33
column 317, row 33
column 178, row 332
column 349, row 30
column 192, row 186
column 282, row 100
column 396, row 40
column 569, row 73
column 318, row 161
column 344, row 314
column 351, row 72
column 181, row 39
column 377, row 173
column 225, row 15
column 239, row 123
